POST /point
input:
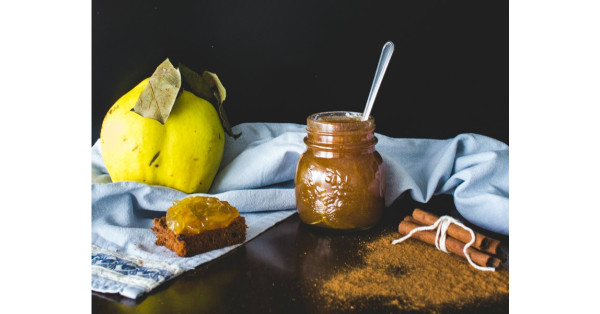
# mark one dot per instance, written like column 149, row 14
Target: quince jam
column 196, row 214
column 340, row 177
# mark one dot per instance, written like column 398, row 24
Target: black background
column 283, row 60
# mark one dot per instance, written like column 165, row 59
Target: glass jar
column 340, row 177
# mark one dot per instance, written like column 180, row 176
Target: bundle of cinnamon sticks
column 484, row 251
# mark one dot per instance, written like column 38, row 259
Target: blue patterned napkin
column 256, row 176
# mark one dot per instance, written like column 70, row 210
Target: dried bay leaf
column 157, row 99
column 215, row 86
column 194, row 82
column 209, row 87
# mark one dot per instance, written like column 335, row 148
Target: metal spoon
column 384, row 60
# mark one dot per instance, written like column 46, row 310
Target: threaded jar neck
column 341, row 131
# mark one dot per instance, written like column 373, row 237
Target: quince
column 184, row 153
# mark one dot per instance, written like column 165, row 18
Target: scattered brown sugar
column 413, row 276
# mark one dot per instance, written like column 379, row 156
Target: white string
column 440, row 237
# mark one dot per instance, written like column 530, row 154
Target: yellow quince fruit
column 184, row 153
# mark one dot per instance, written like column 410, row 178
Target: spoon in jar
column 384, row 60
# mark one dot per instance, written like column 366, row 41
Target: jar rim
column 351, row 116
column 339, row 122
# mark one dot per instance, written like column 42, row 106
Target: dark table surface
column 276, row 271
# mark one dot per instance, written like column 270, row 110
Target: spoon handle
column 384, row 60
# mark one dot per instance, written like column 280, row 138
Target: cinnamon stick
column 482, row 242
column 452, row 245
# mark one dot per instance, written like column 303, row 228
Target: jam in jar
column 340, row 177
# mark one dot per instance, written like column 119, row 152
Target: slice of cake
column 199, row 224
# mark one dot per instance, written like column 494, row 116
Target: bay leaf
column 158, row 97
column 215, row 85
column 194, row 82
column 209, row 87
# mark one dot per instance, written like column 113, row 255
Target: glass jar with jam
column 340, row 177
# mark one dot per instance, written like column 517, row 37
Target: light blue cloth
column 256, row 176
